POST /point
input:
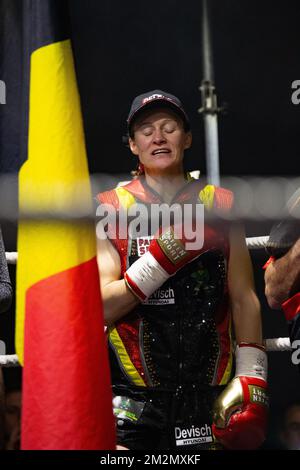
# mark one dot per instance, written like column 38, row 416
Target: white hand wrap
column 251, row 361
column 147, row 274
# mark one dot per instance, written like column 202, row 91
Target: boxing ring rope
column 9, row 360
column 272, row 344
column 11, row 257
column 278, row 344
column 253, row 243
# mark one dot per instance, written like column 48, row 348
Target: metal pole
column 209, row 107
column 208, row 72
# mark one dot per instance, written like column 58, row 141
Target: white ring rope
column 11, row 257
column 10, row 360
column 272, row 344
column 278, row 344
column 256, row 242
column 252, row 242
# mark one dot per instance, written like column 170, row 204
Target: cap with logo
column 156, row 99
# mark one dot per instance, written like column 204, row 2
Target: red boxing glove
column 240, row 412
column 167, row 253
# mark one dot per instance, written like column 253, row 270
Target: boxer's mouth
column 159, row 151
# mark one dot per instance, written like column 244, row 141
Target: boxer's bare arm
column 244, row 302
column 117, row 299
column 282, row 277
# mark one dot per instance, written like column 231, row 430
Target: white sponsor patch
column 161, row 297
column 189, row 442
column 193, row 435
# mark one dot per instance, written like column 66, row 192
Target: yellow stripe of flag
column 54, row 178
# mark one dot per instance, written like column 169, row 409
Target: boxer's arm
column 245, row 306
column 240, row 411
column 117, row 299
column 282, row 277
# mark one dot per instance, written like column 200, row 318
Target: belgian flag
column 67, row 402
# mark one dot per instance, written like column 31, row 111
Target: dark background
column 125, row 48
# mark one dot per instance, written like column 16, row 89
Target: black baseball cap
column 156, row 99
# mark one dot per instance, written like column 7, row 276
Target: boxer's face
column 159, row 141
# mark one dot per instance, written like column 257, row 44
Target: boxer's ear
column 188, row 140
column 133, row 146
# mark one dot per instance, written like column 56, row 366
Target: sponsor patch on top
column 143, row 244
column 161, row 297
column 193, row 435
column 172, row 247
